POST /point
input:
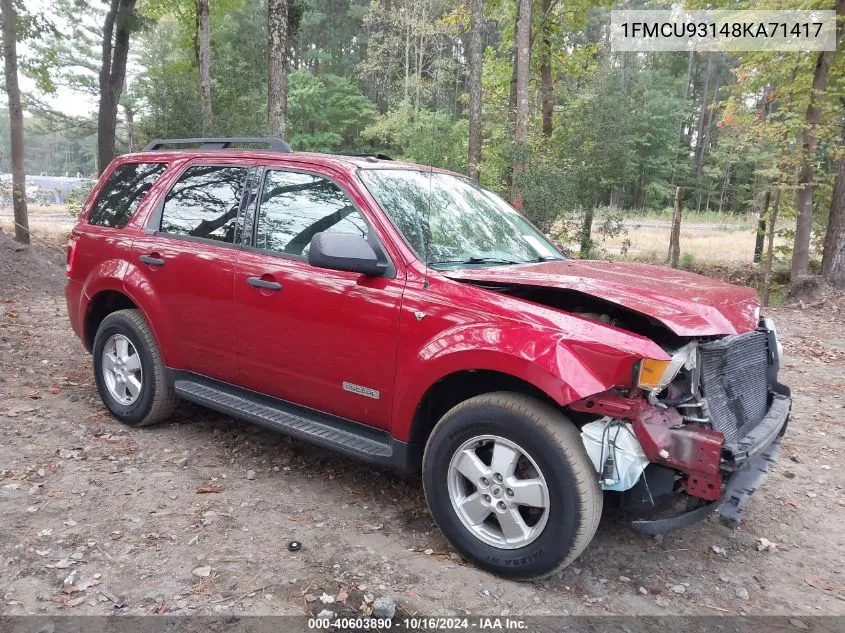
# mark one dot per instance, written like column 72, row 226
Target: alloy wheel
column 122, row 372
column 498, row 492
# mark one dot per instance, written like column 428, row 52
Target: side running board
column 338, row 434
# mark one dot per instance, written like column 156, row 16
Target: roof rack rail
column 274, row 144
column 378, row 156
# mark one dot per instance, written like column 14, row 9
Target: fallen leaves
column 209, row 489
column 819, row 583
column 765, row 545
column 812, row 349
column 827, row 587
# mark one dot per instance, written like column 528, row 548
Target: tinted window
column 204, row 203
column 295, row 207
column 122, row 193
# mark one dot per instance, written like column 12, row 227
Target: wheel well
column 102, row 305
column 454, row 389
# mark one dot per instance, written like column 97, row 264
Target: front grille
column 734, row 382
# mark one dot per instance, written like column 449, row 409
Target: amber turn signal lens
column 651, row 374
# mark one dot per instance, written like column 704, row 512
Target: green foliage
column 326, row 112
column 687, row 260
column 549, row 192
column 425, row 137
column 77, row 197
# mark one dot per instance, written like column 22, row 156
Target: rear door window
column 123, row 192
column 204, row 203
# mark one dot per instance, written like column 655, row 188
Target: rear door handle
column 258, row 282
column 152, row 261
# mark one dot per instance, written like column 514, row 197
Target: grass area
column 703, row 245
column 706, row 238
column 727, row 220
column 52, row 209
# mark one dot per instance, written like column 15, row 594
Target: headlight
column 655, row 375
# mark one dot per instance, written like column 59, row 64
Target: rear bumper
column 73, row 297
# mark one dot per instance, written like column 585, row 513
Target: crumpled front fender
column 565, row 367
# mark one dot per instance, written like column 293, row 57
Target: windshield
column 452, row 222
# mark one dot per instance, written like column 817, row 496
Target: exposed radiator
column 734, row 382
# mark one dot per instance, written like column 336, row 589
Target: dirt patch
column 170, row 519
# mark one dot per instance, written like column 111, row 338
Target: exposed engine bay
column 590, row 307
column 709, row 416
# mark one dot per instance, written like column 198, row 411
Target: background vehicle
column 410, row 318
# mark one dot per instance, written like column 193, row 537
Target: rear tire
column 551, row 485
column 129, row 371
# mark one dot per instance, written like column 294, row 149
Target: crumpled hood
column 686, row 303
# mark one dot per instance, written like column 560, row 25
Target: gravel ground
column 195, row 516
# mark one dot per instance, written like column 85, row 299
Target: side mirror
column 341, row 251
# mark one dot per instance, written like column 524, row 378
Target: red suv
column 409, row 317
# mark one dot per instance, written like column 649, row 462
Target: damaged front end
column 706, row 423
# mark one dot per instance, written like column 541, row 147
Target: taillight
column 71, row 255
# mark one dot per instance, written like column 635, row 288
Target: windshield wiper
column 477, row 260
column 544, row 258
column 490, row 260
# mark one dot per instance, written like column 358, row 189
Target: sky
column 65, row 100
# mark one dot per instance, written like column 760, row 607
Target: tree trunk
column 10, row 56
column 204, row 61
column 723, row 196
column 511, row 112
column 806, row 171
column 680, row 146
column 277, row 60
column 523, row 67
column 115, row 52
column 675, row 235
column 707, row 134
column 761, row 227
column 129, row 114
column 587, row 234
column 702, row 113
column 770, row 246
column 547, row 86
column 833, row 259
column 420, row 51
column 407, row 58
column 476, row 57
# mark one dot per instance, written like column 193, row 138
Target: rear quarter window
column 123, row 192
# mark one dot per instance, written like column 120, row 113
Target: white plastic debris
column 613, row 443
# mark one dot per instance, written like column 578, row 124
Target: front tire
column 129, row 370
column 509, row 483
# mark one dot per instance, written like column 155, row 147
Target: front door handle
column 152, row 261
column 258, row 282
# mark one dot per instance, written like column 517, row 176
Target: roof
column 337, row 161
